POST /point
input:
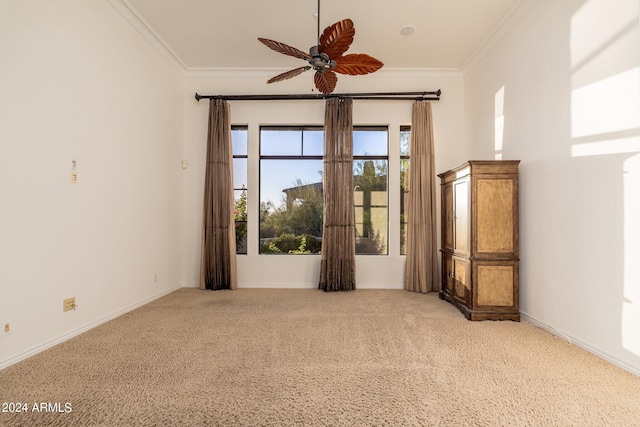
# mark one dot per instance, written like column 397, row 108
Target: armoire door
column 461, row 280
column 461, row 217
column 447, row 217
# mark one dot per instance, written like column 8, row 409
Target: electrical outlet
column 73, row 177
column 6, row 328
column 69, row 304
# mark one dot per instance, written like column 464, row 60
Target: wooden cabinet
column 480, row 255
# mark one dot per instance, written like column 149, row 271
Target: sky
column 279, row 174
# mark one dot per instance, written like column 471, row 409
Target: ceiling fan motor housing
column 320, row 61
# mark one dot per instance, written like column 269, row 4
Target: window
column 291, row 205
column 405, row 140
column 240, row 152
column 370, row 166
column 291, row 198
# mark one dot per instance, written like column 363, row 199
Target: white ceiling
column 222, row 34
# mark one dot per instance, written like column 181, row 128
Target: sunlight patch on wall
column 598, row 26
column 631, row 292
column 608, row 105
column 612, row 146
column 499, row 123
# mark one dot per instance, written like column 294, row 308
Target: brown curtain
column 218, row 264
column 421, row 273
column 338, row 262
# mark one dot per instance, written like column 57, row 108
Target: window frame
column 302, row 156
column 244, row 188
column 376, row 157
column 404, row 192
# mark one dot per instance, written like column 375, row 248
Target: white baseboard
column 191, row 285
column 392, row 287
column 294, row 286
column 276, row 286
column 571, row 340
column 42, row 347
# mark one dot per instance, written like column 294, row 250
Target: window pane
column 403, row 223
column 280, row 142
column 239, row 141
column 405, row 139
column 240, row 217
column 291, row 206
column 370, row 142
column 404, row 175
column 240, row 172
column 313, row 143
column 371, row 206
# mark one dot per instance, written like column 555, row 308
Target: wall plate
column 5, row 328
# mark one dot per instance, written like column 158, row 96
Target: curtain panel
column 218, row 262
column 338, row 260
column 421, row 273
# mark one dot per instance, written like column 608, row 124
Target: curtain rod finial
column 198, row 97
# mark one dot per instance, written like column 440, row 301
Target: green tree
column 296, row 224
column 240, row 218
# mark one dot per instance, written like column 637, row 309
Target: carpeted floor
column 304, row 357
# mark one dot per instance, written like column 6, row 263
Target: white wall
column 77, row 82
column 570, row 75
column 256, row 270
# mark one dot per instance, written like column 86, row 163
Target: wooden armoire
column 480, row 256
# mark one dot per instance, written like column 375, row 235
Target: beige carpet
column 305, row 357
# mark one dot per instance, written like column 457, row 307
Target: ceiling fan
column 328, row 57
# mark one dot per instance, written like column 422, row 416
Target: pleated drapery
column 421, row 273
column 218, row 263
column 338, row 261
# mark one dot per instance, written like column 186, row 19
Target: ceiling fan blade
column 285, row 49
column 336, row 39
column 325, row 81
column 357, row 64
column 288, row 74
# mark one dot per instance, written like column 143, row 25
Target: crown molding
column 260, row 72
column 506, row 24
column 146, row 30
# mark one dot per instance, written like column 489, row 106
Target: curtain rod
column 395, row 96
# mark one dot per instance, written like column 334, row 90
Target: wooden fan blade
column 288, row 74
column 336, row 39
column 284, row 49
column 357, row 64
column 325, row 81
